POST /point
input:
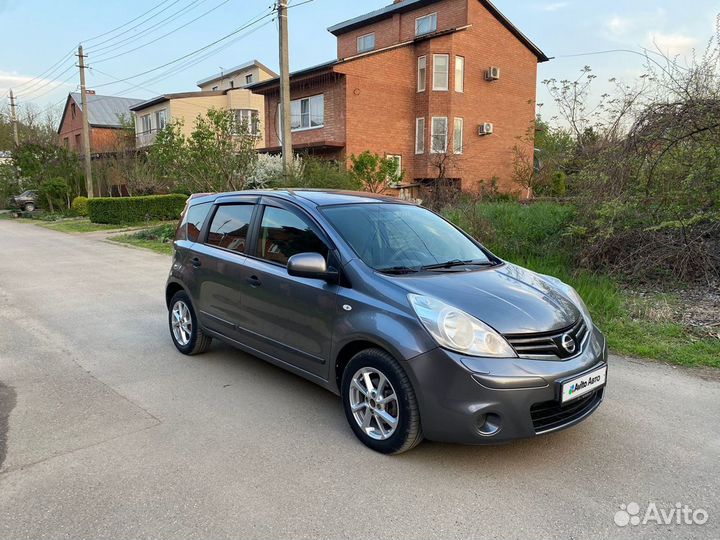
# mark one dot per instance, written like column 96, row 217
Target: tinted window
column 284, row 234
column 193, row 221
column 229, row 227
column 397, row 235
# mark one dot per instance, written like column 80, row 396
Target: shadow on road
column 7, row 404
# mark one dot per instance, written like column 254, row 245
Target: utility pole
column 86, row 124
column 285, row 132
column 13, row 118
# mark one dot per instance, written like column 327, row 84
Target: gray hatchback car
column 422, row 331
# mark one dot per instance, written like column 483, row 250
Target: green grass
column 77, row 226
column 534, row 236
column 158, row 238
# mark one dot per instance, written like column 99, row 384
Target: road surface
column 107, row 432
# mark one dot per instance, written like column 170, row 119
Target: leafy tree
column 56, row 192
column 374, row 172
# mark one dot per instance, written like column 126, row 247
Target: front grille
column 550, row 415
column 550, row 344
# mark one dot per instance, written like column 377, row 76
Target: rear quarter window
column 192, row 222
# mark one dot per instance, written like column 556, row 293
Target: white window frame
column 458, row 135
column 249, row 117
column 146, row 123
column 162, row 113
column 460, row 74
column 249, row 78
column 437, row 87
column 398, row 158
column 422, row 79
column 420, row 135
column 361, row 41
column 433, row 24
column 297, row 106
column 433, row 136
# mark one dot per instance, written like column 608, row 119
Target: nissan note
column 421, row 330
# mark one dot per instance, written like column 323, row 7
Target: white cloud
column 555, row 6
column 672, row 44
column 620, row 27
column 18, row 82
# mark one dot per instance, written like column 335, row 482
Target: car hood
column 509, row 298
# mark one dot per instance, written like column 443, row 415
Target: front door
column 293, row 315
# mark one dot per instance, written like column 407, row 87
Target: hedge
column 123, row 210
column 79, row 206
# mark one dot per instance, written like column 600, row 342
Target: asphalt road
column 107, row 432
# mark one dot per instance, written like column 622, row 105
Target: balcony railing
column 146, row 138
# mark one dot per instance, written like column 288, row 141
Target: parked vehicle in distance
column 421, row 330
column 26, row 201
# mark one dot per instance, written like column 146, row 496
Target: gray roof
column 106, row 111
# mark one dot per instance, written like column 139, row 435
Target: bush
column 79, row 206
column 54, row 192
column 123, row 210
column 322, row 174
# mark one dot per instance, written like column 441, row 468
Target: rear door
column 293, row 316
column 218, row 262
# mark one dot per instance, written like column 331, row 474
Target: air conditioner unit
column 485, row 129
column 492, row 74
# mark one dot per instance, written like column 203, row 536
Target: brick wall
column 401, row 27
column 70, row 134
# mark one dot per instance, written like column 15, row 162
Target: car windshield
column 397, row 237
column 27, row 193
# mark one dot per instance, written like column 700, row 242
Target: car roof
column 308, row 197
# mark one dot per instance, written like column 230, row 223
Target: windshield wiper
column 398, row 270
column 457, row 262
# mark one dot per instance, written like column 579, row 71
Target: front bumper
column 488, row 400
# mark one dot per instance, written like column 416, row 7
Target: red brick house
column 107, row 114
column 430, row 82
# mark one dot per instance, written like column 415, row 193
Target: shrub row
column 122, row 210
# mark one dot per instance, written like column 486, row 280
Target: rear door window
column 194, row 219
column 229, row 227
column 284, row 234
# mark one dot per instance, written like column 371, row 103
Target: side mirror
column 312, row 266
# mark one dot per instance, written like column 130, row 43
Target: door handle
column 197, row 263
column 254, row 281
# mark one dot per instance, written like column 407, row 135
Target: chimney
column 398, row 1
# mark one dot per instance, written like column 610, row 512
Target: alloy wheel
column 374, row 403
column 181, row 323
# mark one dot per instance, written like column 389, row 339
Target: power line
column 49, row 70
column 227, row 36
column 105, row 59
column 145, row 31
column 125, row 24
column 94, row 69
column 50, row 89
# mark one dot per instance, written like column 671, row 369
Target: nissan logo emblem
column 568, row 343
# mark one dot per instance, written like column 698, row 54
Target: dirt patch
column 7, row 404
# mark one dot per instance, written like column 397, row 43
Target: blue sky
column 37, row 34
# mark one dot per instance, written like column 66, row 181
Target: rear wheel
column 186, row 333
column 29, row 207
column 380, row 403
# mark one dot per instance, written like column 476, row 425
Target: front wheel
column 186, row 333
column 380, row 403
column 29, row 207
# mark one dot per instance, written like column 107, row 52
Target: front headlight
column 454, row 329
column 573, row 295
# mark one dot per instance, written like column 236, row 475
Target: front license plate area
column 583, row 384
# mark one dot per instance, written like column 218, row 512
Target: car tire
column 188, row 339
column 358, row 404
column 29, row 207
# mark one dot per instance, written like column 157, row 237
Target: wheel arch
column 171, row 289
column 353, row 346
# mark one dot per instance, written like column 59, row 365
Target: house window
column 78, row 142
column 440, row 71
column 439, row 135
column 248, row 79
column 161, row 119
column 145, row 123
column 422, row 73
column 420, row 136
column 458, row 131
column 247, row 121
column 398, row 166
column 66, row 142
column 366, row 43
column 426, row 24
column 232, row 84
column 459, row 73
column 73, row 110
column 307, row 113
